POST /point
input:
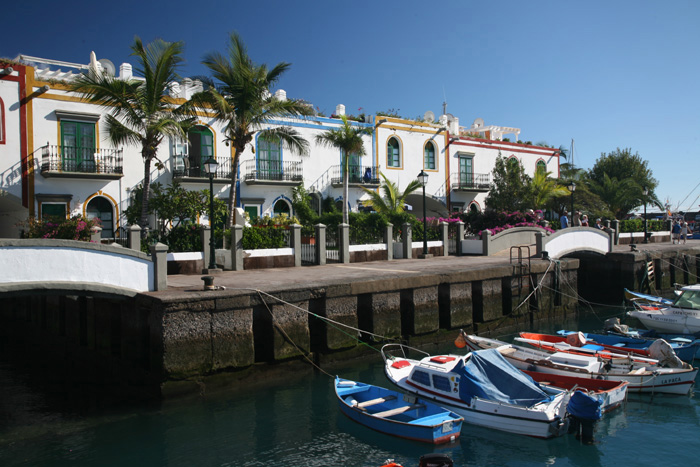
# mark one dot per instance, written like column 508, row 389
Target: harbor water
column 44, row 423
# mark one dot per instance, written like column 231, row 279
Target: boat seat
column 400, row 364
column 398, row 410
column 376, row 401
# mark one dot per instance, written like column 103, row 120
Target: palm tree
column 348, row 139
column 239, row 95
column 140, row 111
column 394, row 200
column 543, row 189
column 617, row 194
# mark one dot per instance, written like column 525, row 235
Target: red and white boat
column 640, row 378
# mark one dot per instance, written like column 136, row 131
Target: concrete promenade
column 269, row 280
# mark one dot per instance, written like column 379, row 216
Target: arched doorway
column 100, row 208
column 281, row 207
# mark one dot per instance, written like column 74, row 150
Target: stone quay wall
column 182, row 341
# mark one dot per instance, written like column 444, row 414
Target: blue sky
column 607, row 74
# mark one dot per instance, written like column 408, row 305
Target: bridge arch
column 575, row 239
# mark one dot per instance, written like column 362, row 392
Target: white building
column 55, row 157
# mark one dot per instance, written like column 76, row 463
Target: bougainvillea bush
column 75, row 228
column 498, row 221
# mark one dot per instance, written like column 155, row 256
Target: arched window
column 513, row 162
column 393, row 153
column 99, row 207
column 281, row 207
column 429, row 156
column 201, row 148
column 541, row 166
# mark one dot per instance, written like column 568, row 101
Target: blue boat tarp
column 584, row 406
column 488, row 375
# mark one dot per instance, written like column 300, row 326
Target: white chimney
column 281, row 95
column 340, row 109
column 125, row 71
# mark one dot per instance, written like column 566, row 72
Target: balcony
column 81, row 162
column 358, row 175
column 476, row 183
column 188, row 169
column 266, row 172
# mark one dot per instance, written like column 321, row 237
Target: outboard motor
column 584, row 411
column 435, row 460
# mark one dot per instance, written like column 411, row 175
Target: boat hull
column 391, row 413
column 667, row 323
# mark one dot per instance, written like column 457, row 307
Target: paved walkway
column 333, row 274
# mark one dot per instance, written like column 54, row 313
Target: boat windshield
column 688, row 299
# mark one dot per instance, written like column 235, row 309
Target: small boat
column 642, row 346
column 397, row 414
column 483, row 388
column 611, row 394
column 661, row 321
column 659, row 353
column 633, row 296
column 641, row 379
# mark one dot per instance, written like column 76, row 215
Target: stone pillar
column 296, row 244
column 135, row 237
column 444, row 233
column 486, row 241
column 236, row 248
column 389, row 240
column 205, row 235
column 459, row 237
column 616, row 227
column 539, row 244
column 159, row 256
column 344, row 243
column 320, row 245
column 407, row 241
column 96, row 234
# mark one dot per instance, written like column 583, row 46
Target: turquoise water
column 300, row 424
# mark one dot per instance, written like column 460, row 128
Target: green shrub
column 258, row 237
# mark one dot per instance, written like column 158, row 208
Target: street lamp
column 210, row 166
column 423, row 179
column 572, row 188
column 645, row 191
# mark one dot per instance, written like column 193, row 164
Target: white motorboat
column 667, row 321
column 483, row 388
column 641, row 379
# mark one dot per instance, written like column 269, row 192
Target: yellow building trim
column 111, row 200
column 30, row 84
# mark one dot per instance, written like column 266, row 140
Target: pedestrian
column 598, row 224
column 684, row 231
column 576, row 219
column 584, row 221
column 564, row 220
column 676, row 232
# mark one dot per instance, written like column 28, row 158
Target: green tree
column 511, row 186
column 140, row 111
column 393, row 200
column 348, row 139
column 543, row 188
column 239, row 95
column 619, row 178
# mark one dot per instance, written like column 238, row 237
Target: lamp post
column 645, row 192
column 572, row 188
column 210, row 166
column 423, row 179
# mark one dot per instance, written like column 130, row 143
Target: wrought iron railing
column 470, row 181
column 190, row 167
column 367, row 174
column 266, row 170
column 76, row 159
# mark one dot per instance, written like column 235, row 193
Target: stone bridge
column 76, row 267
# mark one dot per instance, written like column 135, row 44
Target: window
column 100, row 208
column 429, row 156
column 421, row 377
column 442, row 383
column 466, row 173
column 201, row 148
column 269, row 158
column 393, row 153
column 281, row 207
column 53, row 210
column 252, row 212
column 541, row 166
column 513, row 163
column 354, row 168
column 77, row 146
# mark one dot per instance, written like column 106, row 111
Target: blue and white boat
column 483, row 388
column 397, row 414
